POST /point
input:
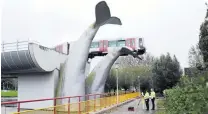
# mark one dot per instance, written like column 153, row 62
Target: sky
column 166, row 25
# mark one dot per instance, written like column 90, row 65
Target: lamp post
column 139, row 82
column 116, row 66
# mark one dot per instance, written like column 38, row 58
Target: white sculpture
column 96, row 81
column 74, row 71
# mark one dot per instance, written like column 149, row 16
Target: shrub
column 190, row 96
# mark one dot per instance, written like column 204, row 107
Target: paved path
column 138, row 109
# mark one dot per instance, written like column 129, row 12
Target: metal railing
column 93, row 103
column 22, row 45
column 16, row 46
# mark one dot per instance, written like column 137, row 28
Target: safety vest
column 152, row 94
column 146, row 96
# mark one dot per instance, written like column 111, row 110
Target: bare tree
column 131, row 68
column 129, row 61
column 195, row 57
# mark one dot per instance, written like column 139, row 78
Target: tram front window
column 121, row 43
column 112, row 43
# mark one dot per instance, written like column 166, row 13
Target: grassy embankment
column 10, row 93
column 160, row 106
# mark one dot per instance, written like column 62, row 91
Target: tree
column 144, row 80
column 128, row 77
column 129, row 70
column 166, row 72
column 195, row 57
column 9, row 83
column 129, row 61
column 111, row 81
column 125, row 79
column 203, row 41
column 192, row 91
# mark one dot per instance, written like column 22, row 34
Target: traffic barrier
column 93, row 103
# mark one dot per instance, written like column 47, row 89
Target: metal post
column 100, row 102
column 79, row 105
column 94, row 102
column 18, row 107
column 54, row 109
column 69, row 106
column 87, row 107
column 105, row 101
column 139, row 83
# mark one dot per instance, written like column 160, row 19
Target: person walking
column 152, row 96
column 146, row 98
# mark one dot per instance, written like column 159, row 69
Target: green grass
column 9, row 93
column 90, row 79
column 160, row 106
column 160, row 103
column 160, row 111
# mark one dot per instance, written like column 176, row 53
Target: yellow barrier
column 83, row 107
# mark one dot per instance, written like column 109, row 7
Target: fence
column 93, row 103
column 16, row 46
column 24, row 45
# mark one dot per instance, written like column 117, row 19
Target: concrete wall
column 37, row 86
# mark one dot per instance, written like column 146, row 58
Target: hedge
column 190, row 96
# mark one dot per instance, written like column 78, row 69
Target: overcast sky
column 166, row 25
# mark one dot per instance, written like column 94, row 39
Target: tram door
column 103, row 45
column 129, row 42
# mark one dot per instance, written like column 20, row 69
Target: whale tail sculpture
column 103, row 16
column 74, row 74
column 95, row 82
column 141, row 51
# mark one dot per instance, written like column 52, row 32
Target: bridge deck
column 25, row 57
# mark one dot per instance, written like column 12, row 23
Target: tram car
column 102, row 47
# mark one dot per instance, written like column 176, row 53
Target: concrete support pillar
column 37, row 86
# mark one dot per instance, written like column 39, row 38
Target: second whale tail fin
column 103, row 15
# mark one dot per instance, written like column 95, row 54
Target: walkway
column 138, row 109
